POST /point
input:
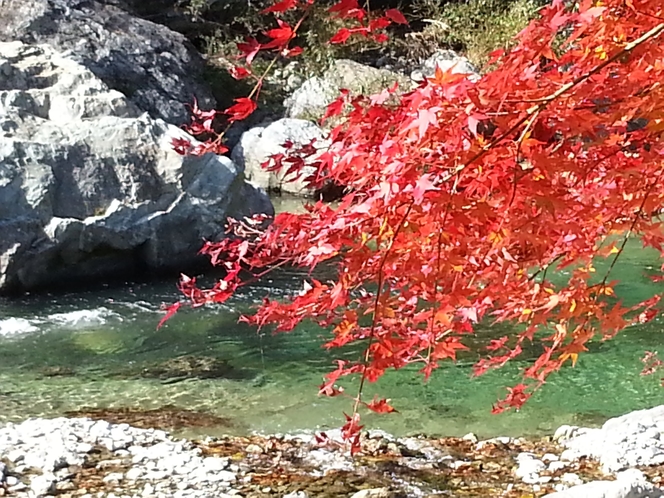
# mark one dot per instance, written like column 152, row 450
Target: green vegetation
column 474, row 28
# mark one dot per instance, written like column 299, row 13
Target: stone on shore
column 632, row 440
column 628, row 484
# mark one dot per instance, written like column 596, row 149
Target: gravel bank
column 79, row 457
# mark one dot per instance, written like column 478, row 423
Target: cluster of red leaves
column 279, row 40
column 461, row 194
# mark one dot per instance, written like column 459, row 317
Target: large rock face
column 90, row 186
column 156, row 68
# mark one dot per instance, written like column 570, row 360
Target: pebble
column 373, row 493
column 52, row 447
column 470, row 437
column 43, row 485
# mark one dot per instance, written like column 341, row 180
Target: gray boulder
column 90, row 188
column 446, row 60
column 310, row 100
column 155, row 68
column 258, row 144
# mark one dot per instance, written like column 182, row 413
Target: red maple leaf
column 281, row 6
column 280, row 36
column 249, row 49
column 395, row 16
column 242, row 109
column 380, row 406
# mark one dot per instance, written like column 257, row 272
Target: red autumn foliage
column 461, row 195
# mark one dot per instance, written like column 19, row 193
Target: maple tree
column 462, row 193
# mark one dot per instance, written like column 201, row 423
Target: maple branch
column 374, row 320
column 438, row 261
column 545, row 101
column 629, row 232
column 546, row 267
column 653, row 33
column 652, row 16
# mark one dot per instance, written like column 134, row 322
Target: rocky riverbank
column 71, row 457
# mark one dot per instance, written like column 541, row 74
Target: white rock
column 556, row 466
column 43, row 485
column 258, row 144
column 373, row 493
column 134, row 473
column 470, row 437
column 564, row 432
column 114, row 477
column 311, row 99
column 570, row 456
column 84, row 448
column 632, row 475
column 529, row 467
column 571, row 479
column 296, row 494
column 17, row 488
column 221, row 476
column 446, row 60
column 16, row 456
column 531, row 478
column 631, row 440
column 213, row 464
column 622, row 488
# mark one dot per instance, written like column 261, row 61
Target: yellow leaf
column 572, row 306
column 566, row 356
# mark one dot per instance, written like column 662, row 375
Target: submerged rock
column 90, row 188
column 189, row 366
column 169, row 417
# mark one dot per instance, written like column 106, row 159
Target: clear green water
column 274, row 386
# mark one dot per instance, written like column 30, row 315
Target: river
column 59, row 353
